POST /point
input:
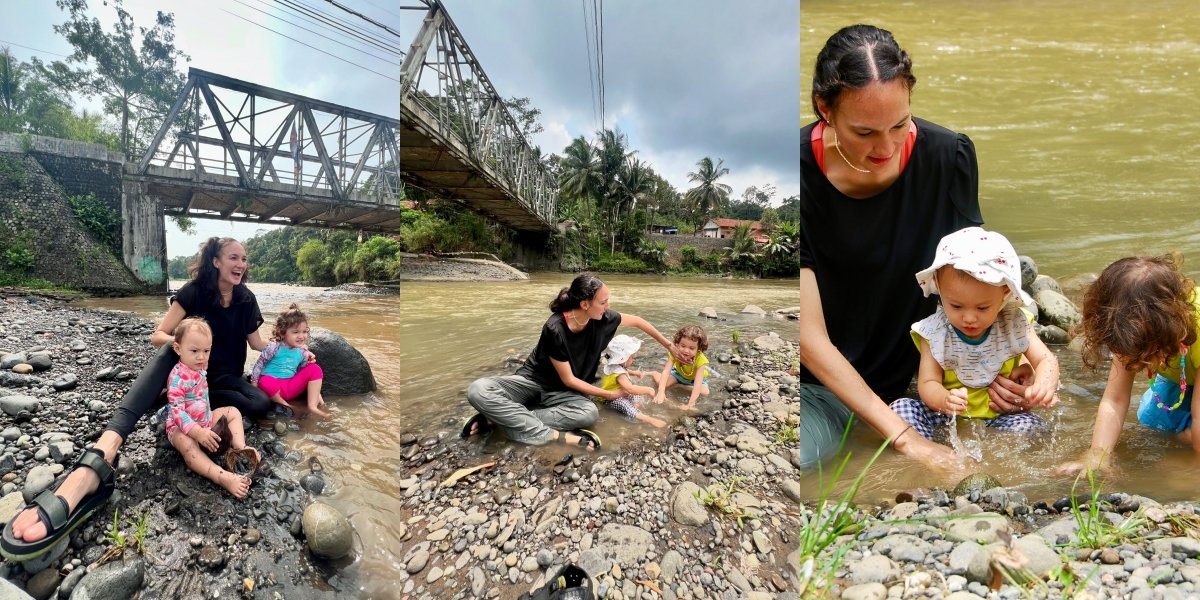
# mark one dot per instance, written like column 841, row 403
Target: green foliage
column 828, row 521
column 620, row 263
column 12, row 173
column 136, row 79
column 26, row 143
column 185, row 224
column 103, row 222
column 177, row 268
column 655, row 254
column 315, row 263
column 720, row 498
column 18, row 252
column 708, row 193
column 687, row 256
column 273, row 255
column 374, row 258
column 735, row 336
column 113, row 534
column 787, row 433
column 1095, row 530
column 139, row 534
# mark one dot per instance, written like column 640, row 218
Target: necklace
column 1183, row 386
column 837, row 144
column 576, row 321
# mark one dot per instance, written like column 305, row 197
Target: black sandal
column 587, row 437
column 571, row 583
column 52, row 510
column 482, row 426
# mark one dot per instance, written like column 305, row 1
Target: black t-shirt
column 866, row 253
column 230, row 325
column 581, row 350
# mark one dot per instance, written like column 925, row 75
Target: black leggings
column 224, row 389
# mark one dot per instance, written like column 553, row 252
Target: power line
column 34, row 49
column 603, row 93
column 388, row 77
column 591, row 76
column 318, row 34
column 365, row 18
column 329, row 21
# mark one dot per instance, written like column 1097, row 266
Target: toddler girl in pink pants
column 286, row 369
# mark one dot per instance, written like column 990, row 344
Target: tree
column 527, row 117
column 135, row 83
column 708, row 193
column 742, row 252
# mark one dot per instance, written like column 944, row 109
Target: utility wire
column 318, row 34
column 591, row 76
column 388, row 77
column 365, row 18
column 603, row 92
column 328, row 20
column 34, row 49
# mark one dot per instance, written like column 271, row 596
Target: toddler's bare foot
column 656, row 422
column 315, row 408
column 690, row 407
column 237, row 485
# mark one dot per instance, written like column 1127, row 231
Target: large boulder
column 1056, row 309
column 346, row 371
column 329, row 533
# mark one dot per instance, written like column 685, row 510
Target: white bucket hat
column 985, row 255
column 620, row 349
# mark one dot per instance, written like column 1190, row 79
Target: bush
column 372, row 259
column 315, row 263
column 619, row 263
column 103, row 222
column 687, row 256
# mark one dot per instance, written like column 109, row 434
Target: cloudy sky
column 684, row 79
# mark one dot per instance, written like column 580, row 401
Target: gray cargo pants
column 525, row 412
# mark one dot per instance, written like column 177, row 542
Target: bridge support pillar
column 537, row 251
column 144, row 235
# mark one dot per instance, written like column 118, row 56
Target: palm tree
column 708, row 194
column 581, row 177
column 743, row 250
column 634, row 183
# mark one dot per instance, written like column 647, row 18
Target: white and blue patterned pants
column 925, row 420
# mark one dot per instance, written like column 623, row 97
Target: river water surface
column 1085, row 122
column 427, row 345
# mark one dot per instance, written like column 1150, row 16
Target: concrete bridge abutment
column 143, row 233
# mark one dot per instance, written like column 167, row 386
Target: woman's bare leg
column 78, row 484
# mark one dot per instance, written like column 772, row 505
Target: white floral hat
column 620, row 349
column 985, row 255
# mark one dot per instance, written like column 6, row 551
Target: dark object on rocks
column 313, row 483
column 571, row 583
column 346, row 371
column 975, row 482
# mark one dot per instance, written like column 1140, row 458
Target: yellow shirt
column 1171, row 369
column 978, row 400
column 689, row 371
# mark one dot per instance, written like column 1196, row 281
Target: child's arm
column 933, row 393
column 1110, row 416
column 631, row 388
column 1045, row 368
column 697, row 386
column 645, row 326
column 569, row 379
column 660, row 395
column 264, row 359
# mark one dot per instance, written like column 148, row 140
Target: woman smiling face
column 231, row 264
column 871, row 123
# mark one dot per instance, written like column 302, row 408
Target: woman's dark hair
column 583, row 287
column 854, row 57
column 205, row 275
column 1139, row 309
column 288, row 319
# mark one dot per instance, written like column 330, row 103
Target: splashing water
column 970, row 449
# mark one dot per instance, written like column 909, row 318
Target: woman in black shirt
column 550, row 394
column 218, row 293
column 878, row 190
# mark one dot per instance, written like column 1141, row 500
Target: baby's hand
column 204, row 436
column 954, row 404
column 309, row 357
column 1041, row 393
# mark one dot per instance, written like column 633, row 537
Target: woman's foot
column 237, row 485
column 588, row 441
column 78, row 485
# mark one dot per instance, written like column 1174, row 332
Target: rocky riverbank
column 198, row 541
column 420, row 267
column 975, row 543
column 708, row 508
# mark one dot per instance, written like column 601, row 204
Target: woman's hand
column 931, row 454
column 1008, row 393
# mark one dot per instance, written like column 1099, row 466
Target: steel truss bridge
column 234, row 150
column 457, row 138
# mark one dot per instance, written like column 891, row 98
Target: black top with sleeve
column 581, row 350
column 866, row 253
column 230, row 325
